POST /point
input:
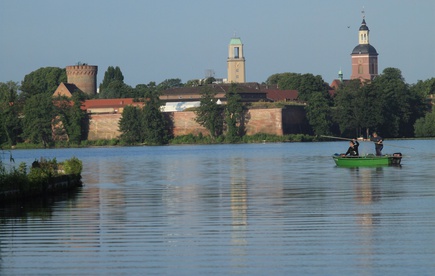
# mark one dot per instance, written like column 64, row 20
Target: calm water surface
column 257, row 209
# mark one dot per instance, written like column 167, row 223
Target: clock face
column 359, row 61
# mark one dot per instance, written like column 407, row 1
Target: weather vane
column 363, row 13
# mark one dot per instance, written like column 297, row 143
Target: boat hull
column 368, row 160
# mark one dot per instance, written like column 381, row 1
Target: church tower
column 364, row 56
column 236, row 61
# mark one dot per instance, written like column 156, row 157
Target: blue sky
column 161, row 39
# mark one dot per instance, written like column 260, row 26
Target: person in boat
column 378, row 143
column 353, row 148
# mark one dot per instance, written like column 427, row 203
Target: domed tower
column 236, row 61
column 84, row 77
column 364, row 56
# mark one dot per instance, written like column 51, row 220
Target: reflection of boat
column 369, row 160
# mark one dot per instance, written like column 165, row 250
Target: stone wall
column 104, row 126
column 277, row 121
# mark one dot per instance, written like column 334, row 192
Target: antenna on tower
column 209, row 73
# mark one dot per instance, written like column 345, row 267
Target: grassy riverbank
column 179, row 140
column 44, row 177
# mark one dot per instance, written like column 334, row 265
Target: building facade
column 236, row 61
column 364, row 56
column 84, row 77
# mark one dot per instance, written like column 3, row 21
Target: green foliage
column 144, row 125
column 112, row 74
column 117, row 89
column 131, row 125
column 357, row 108
column 195, row 139
column 386, row 105
column 44, row 80
column 40, row 175
column 170, row 83
column 10, row 124
column 154, row 123
column 425, row 126
column 400, row 108
column 38, row 116
column 234, row 113
column 72, row 166
column 306, row 84
column 72, row 117
column 209, row 113
column 319, row 114
column 426, row 88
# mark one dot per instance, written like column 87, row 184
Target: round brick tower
column 84, row 77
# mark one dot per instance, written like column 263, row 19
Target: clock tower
column 364, row 56
column 236, row 61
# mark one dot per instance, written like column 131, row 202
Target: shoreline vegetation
column 188, row 139
column 45, row 177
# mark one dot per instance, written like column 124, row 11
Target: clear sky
column 162, row 39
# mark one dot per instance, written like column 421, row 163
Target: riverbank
column 45, row 178
column 189, row 139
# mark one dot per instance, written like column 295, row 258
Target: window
column 360, row 69
column 236, row 52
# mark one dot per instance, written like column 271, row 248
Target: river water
column 251, row 209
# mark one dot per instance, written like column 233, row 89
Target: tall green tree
column 425, row 126
column 233, row 115
column 112, row 74
column 115, row 90
column 38, row 118
column 131, row 125
column 319, row 114
column 9, row 113
column 398, row 103
column 71, row 115
column 357, row 108
column 210, row 114
column 170, row 83
column 43, row 80
column 155, row 126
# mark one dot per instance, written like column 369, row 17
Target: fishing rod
column 333, row 137
column 347, row 139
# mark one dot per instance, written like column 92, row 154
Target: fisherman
column 353, row 148
column 378, row 143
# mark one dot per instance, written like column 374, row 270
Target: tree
column 319, row 114
column 115, row 90
column 43, row 80
column 233, row 115
column 425, row 126
column 426, row 88
column 38, row 117
column 131, row 125
column 154, row 122
column 170, row 83
column 210, row 114
column 357, row 108
column 71, row 115
column 10, row 128
column 111, row 74
column 397, row 99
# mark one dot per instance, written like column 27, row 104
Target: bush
column 72, row 166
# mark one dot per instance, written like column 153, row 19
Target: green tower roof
column 235, row 41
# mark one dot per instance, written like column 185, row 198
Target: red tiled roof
column 282, row 95
column 112, row 103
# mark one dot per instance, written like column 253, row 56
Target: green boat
column 369, row 160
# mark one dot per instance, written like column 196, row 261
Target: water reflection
column 233, row 209
column 239, row 213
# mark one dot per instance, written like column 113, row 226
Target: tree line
column 387, row 104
